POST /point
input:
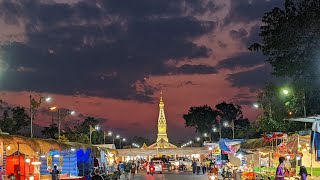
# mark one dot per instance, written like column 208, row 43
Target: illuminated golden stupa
column 162, row 139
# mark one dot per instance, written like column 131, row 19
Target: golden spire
column 161, row 104
column 162, row 123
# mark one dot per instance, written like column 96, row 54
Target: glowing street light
column 48, row 99
column 285, row 91
column 53, row 108
column 111, row 134
column 214, row 129
column 225, row 124
column 72, row 113
column 117, row 136
column 256, row 105
column 205, row 135
column 198, row 139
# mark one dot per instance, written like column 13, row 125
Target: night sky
column 111, row 58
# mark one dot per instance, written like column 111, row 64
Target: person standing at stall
column 303, row 173
column 280, row 169
column 97, row 175
column 55, row 173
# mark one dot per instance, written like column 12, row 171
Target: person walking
column 127, row 170
column 204, row 168
column 133, row 170
column 97, row 175
column 194, row 166
column 55, row 173
column 198, row 166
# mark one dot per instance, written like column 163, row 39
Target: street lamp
column 205, row 135
column 97, row 127
column 285, row 91
column 52, row 109
column 190, row 142
column 91, row 129
column 111, row 134
column 226, row 124
column 33, row 105
column 118, row 137
column 62, row 115
column 198, row 139
column 256, row 105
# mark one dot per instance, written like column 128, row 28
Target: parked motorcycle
column 227, row 174
column 152, row 169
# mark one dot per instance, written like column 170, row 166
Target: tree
column 51, row 131
column 276, row 110
column 14, row 119
column 201, row 118
column 84, row 126
column 7, row 122
column 204, row 119
column 96, row 136
column 291, row 40
column 230, row 113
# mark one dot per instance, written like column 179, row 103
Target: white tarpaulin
column 316, row 126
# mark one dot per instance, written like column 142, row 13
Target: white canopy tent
column 315, row 120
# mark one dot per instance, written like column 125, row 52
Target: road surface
column 174, row 175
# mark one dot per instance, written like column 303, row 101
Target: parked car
column 166, row 165
column 157, row 166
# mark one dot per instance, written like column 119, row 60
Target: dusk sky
column 111, row 58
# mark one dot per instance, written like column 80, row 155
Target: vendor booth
column 313, row 165
column 65, row 160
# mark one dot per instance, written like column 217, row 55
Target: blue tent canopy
column 224, row 143
column 69, row 163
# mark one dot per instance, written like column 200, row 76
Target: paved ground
column 174, row 175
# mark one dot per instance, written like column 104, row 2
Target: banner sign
column 60, row 161
column 49, row 161
column 216, row 151
column 1, row 153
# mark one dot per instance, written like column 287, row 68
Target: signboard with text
column 216, row 151
column 60, row 161
column 49, row 161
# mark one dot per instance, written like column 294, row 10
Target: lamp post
column 111, row 134
column 123, row 140
column 226, row 124
column 33, row 105
column 91, row 129
column 286, row 92
column 214, row 129
column 62, row 115
column 52, row 109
